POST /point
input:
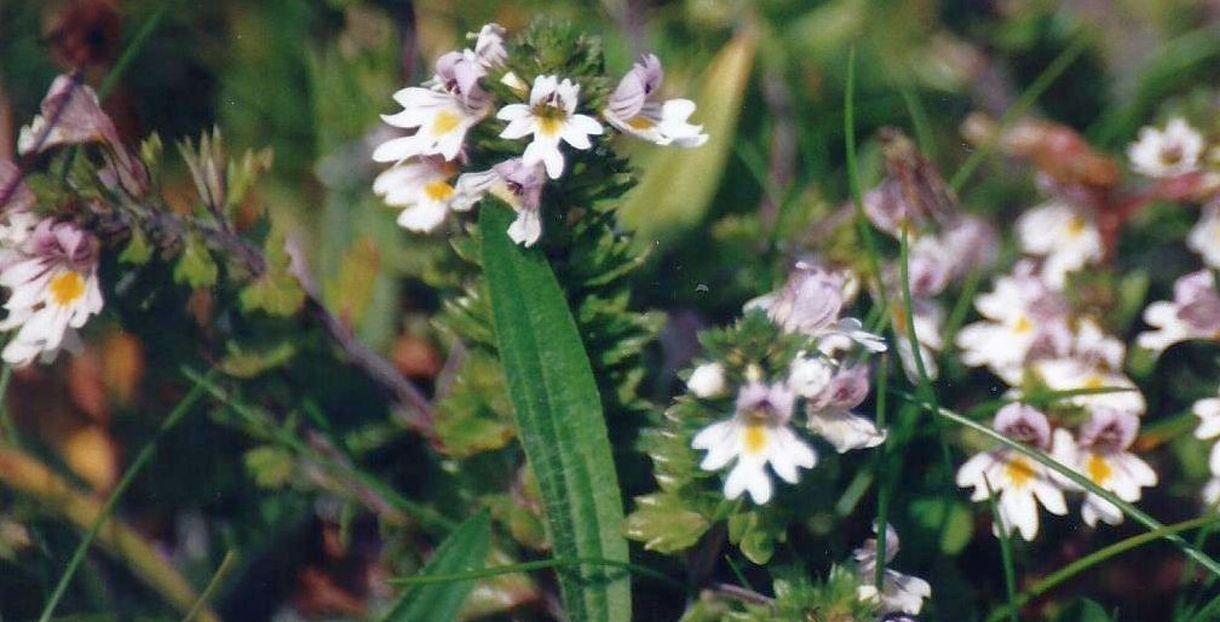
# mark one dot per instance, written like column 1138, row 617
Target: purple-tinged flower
column 1101, row 455
column 1193, row 314
column 551, row 118
column 663, row 123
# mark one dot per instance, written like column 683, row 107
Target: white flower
column 809, row 302
column 899, row 592
column 440, row 115
column 1208, row 411
column 54, row 291
column 1020, row 481
column 1193, row 314
column 757, row 434
column 661, row 123
column 516, row 184
column 707, row 380
column 1070, row 374
column 489, row 45
column 809, row 375
column 829, row 413
column 1166, row 153
column 1211, row 491
column 1101, row 455
column 550, row 117
column 424, row 188
column 1092, row 344
column 1024, row 318
column 1065, row 235
column 1205, row 237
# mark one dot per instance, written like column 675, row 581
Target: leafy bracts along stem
column 559, row 418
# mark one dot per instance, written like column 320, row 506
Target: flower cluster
column 428, row 176
column 50, row 269
column 817, row 386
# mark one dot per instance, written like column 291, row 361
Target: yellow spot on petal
column 1076, row 226
column 1023, row 326
column 1099, row 470
column 1094, row 382
column 756, row 438
column 439, row 191
column 67, row 288
column 1020, row 472
column 445, row 121
column 642, row 123
column 550, row 126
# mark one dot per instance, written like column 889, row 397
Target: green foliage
column 195, row 267
column 559, row 418
column 277, row 292
column 464, row 550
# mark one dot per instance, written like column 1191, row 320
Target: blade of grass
column 222, row 572
column 883, row 476
column 132, row 50
column 463, row 552
column 1042, row 458
column 6, row 418
column 1010, row 570
column 542, row 564
column 1073, row 569
column 1026, row 101
column 853, row 174
column 145, row 455
column 559, row 417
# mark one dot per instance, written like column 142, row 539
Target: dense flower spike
column 1100, row 454
column 662, row 123
column 1020, row 482
column 757, row 435
column 54, row 291
column 899, row 592
column 550, row 118
column 1167, row 153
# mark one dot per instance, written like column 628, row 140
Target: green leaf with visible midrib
column 464, row 550
column 559, row 419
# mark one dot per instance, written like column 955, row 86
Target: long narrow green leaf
column 559, row 419
column 465, row 550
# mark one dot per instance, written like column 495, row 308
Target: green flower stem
column 542, row 564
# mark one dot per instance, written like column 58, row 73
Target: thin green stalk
column 427, row 517
column 543, row 564
column 1180, row 606
column 965, row 300
column 1010, row 569
column 222, row 572
column 853, row 173
column 1042, row 458
column 883, row 477
column 919, row 117
column 145, row 455
column 6, row 418
column 1022, row 106
column 1073, row 569
column 132, row 49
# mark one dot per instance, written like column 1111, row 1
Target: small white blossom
column 425, row 190
column 1193, row 314
column 662, row 123
column 1020, row 482
column 928, row 317
column 829, row 413
column 489, row 45
column 1024, row 319
column 1064, row 235
column 1101, row 455
column 899, row 592
column 441, row 112
column 707, row 380
column 54, row 291
column 1204, row 238
column 809, row 375
column 518, row 185
column 757, row 435
column 1166, row 153
column 550, row 117
column 809, row 302
column 1208, row 412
